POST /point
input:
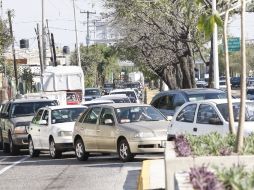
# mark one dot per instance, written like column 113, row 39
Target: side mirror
column 43, row 122
column 215, row 121
column 108, row 122
column 169, row 118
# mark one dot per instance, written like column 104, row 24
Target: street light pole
column 215, row 50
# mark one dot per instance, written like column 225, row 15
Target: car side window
column 206, row 113
column 187, row 113
column 37, row 117
column 178, row 100
column 45, row 116
column 92, row 115
column 166, row 102
column 106, row 113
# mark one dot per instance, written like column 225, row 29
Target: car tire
column 124, row 151
column 32, row 151
column 54, row 153
column 80, row 151
column 14, row 150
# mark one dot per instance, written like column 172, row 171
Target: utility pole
column 76, row 33
column 49, row 40
column 13, row 51
column 43, row 37
column 215, row 49
column 37, row 31
column 87, row 30
column 54, row 50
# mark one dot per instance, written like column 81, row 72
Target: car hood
column 22, row 120
column 158, row 128
column 67, row 126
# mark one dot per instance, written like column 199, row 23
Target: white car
column 132, row 95
column 51, row 129
column 203, row 117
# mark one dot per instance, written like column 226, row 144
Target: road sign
column 233, row 44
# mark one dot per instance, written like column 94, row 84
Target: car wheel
column 80, row 151
column 32, row 151
column 54, row 153
column 14, row 150
column 124, row 151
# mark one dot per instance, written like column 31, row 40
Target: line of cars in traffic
column 114, row 124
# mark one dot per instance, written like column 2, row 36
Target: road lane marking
column 3, row 159
column 14, row 164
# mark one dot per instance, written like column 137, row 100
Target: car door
column 34, row 129
column 45, row 130
column 208, row 120
column 184, row 120
column 106, row 132
column 88, row 128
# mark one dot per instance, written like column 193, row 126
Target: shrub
column 202, row 179
column 182, row 146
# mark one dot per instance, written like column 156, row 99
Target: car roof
column 193, row 91
column 122, row 105
column 115, row 96
column 24, row 100
column 123, row 90
column 98, row 100
column 65, row 106
column 217, row 101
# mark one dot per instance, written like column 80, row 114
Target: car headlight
column 20, row 130
column 64, row 133
column 143, row 135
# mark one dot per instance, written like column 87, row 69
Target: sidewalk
column 152, row 175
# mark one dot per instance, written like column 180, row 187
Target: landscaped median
column 226, row 170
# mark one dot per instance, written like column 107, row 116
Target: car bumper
column 20, row 140
column 64, row 146
column 151, row 146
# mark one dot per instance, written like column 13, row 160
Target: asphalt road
column 98, row 173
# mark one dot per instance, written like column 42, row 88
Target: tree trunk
column 229, row 96
column 211, row 72
column 239, row 144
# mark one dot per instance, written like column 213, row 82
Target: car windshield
column 250, row 91
column 108, row 85
column 249, row 114
column 29, row 108
column 92, row 92
column 66, row 115
column 133, row 85
column 130, row 94
column 137, row 114
column 205, row 96
column 121, row 100
column 222, row 83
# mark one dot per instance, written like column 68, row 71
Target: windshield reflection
column 249, row 115
column 137, row 114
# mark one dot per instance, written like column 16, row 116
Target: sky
column 60, row 18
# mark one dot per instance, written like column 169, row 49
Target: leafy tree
column 5, row 41
column 98, row 63
column 27, row 79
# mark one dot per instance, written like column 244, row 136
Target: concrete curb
column 152, row 175
column 144, row 180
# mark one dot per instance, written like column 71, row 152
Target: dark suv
column 14, row 120
column 168, row 101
